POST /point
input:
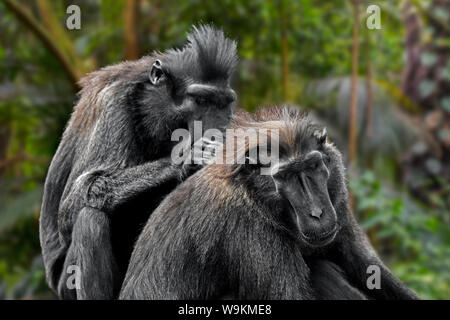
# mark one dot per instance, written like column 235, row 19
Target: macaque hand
column 203, row 152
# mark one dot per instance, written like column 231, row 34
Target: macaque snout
column 303, row 184
column 211, row 105
column 216, row 96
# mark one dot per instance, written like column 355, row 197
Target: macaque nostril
column 226, row 98
column 200, row 101
column 231, row 96
column 316, row 213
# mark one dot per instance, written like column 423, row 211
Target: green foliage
column 37, row 96
column 21, row 205
column 414, row 240
column 21, row 268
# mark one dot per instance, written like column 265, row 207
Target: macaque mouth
column 312, row 213
column 318, row 240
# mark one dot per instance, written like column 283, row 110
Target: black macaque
column 113, row 165
column 230, row 231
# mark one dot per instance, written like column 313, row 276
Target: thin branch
column 55, row 28
column 22, row 156
column 42, row 34
column 404, row 101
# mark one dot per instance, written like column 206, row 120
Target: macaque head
column 193, row 83
column 306, row 183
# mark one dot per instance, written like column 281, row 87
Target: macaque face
column 306, row 181
column 303, row 184
column 211, row 103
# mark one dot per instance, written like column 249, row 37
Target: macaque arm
column 90, row 270
column 356, row 255
column 330, row 283
column 272, row 268
column 105, row 189
column 85, row 223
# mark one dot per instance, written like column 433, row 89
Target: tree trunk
column 5, row 133
column 426, row 83
column 284, row 52
column 369, row 91
column 352, row 141
column 132, row 47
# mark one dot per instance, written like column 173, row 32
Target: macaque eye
column 326, row 159
column 200, row 100
column 156, row 73
column 312, row 166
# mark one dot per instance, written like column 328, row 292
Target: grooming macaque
column 230, row 231
column 113, row 165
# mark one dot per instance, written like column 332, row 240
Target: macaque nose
column 204, row 94
column 314, row 158
column 316, row 212
column 230, row 96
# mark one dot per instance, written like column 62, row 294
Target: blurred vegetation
column 292, row 51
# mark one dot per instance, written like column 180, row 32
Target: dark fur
column 226, row 231
column 330, row 282
column 115, row 154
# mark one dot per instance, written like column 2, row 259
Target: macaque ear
column 321, row 136
column 156, row 73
